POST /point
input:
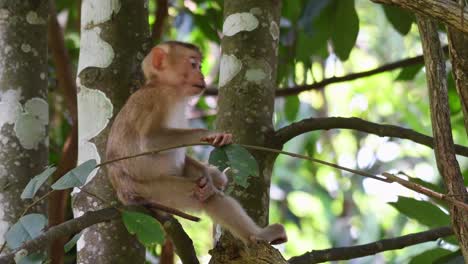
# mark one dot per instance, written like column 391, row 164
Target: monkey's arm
column 168, row 137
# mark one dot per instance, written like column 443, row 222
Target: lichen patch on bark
column 230, row 66
column 239, row 22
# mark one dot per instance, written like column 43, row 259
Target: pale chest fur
column 176, row 119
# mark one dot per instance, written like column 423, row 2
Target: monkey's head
column 176, row 66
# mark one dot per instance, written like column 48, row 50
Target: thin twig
column 421, row 189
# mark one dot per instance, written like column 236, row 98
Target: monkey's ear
column 158, row 57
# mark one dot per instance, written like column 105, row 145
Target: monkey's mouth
column 199, row 86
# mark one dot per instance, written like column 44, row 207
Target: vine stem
column 384, row 177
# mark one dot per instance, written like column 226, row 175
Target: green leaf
column 429, row 256
column 27, row 228
column 76, row 177
column 291, row 107
column 219, row 159
column 145, row 227
column 346, row 28
column 35, row 183
column 399, row 18
column 408, row 73
column 452, row 258
column 70, row 244
column 242, row 163
column 423, row 212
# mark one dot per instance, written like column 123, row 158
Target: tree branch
column 172, row 227
column 446, row 11
column 280, row 92
column 70, row 227
column 161, row 17
column 57, row 206
column 312, row 124
column 440, row 116
column 182, row 242
column 344, row 253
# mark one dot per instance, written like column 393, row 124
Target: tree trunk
column 24, row 111
column 246, row 104
column 442, row 130
column 113, row 34
column 458, row 46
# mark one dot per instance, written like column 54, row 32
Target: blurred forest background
column 337, row 58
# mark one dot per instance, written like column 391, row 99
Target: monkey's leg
column 229, row 213
column 195, row 170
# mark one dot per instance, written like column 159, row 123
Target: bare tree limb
column 446, row 11
column 458, row 44
column 161, row 17
column 70, row 227
column 344, row 253
column 440, row 115
column 280, row 92
column 182, row 242
column 57, row 206
column 172, row 227
column 312, row 124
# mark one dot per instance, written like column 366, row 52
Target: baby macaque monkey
column 154, row 118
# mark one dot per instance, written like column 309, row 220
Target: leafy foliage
column 242, row 163
column 145, row 227
column 76, row 177
column 35, row 183
column 72, row 242
column 400, row 18
column 27, row 228
column 419, row 211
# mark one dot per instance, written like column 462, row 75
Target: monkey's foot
column 273, row 234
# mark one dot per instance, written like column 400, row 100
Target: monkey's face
column 180, row 70
column 194, row 82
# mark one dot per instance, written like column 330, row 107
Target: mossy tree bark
column 24, row 111
column 246, row 104
column 113, row 38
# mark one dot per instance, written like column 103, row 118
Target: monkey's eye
column 195, row 64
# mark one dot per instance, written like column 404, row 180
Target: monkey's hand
column 218, row 139
column 204, row 189
column 219, row 178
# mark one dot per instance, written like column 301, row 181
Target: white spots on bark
column 4, row 14
column 230, row 66
column 274, row 30
column 259, row 70
column 34, row 19
column 29, row 131
column 255, row 75
column 25, row 47
column 42, row 76
column 29, row 121
column 239, row 22
column 10, row 107
column 95, row 52
column 94, row 111
column 256, row 11
column 39, row 108
column 98, row 11
column 4, row 225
